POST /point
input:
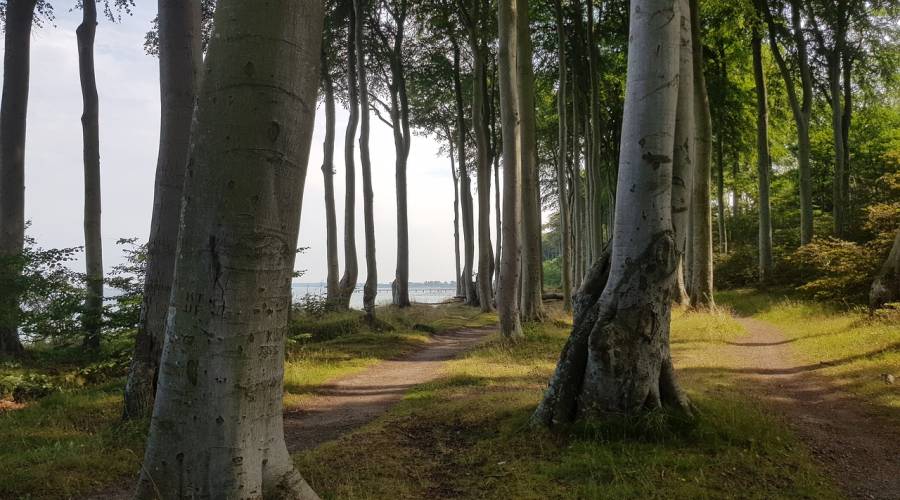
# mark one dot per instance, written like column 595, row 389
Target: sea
column 422, row 293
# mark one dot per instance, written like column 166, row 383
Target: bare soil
column 858, row 448
column 352, row 401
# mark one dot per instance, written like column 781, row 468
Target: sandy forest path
column 859, row 449
column 350, row 402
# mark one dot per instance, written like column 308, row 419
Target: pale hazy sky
column 129, row 131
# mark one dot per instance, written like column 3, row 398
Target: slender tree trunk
column 532, row 306
column 846, row 66
column 464, row 185
column 562, row 106
column 617, row 360
column 333, row 287
column 684, row 156
column 837, row 127
column 92, row 317
column 599, row 190
column 577, row 188
column 217, row 429
column 735, row 191
column 720, row 191
column 701, row 214
column 510, row 263
column 482, row 147
column 180, row 59
column 762, row 153
column 13, row 112
column 351, row 266
column 400, row 110
column 886, row 287
column 460, row 292
column 370, row 289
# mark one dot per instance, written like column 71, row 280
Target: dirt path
column 860, row 450
column 352, row 401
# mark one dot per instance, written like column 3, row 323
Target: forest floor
column 432, row 403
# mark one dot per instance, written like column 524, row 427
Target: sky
column 128, row 84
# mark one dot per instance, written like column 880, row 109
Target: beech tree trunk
column 464, row 186
column 370, row 289
column 92, row 317
column 762, row 165
column 886, row 287
column 701, row 213
column 720, row 190
column 460, row 292
column 562, row 155
column 510, row 260
column 478, row 45
column 617, row 360
column 351, row 266
column 532, row 306
column 217, row 428
column 801, row 107
column 13, row 113
column 180, row 59
column 578, row 195
column 333, row 287
column 400, row 119
column 839, row 215
column 684, row 158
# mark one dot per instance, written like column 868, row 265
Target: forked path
column 860, row 450
column 352, row 401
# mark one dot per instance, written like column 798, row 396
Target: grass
column 853, row 348
column 467, row 435
column 72, row 442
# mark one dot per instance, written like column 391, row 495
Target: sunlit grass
column 853, row 348
column 467, row 435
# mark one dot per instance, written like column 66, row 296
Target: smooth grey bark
column 801, row 107
column 92, row 317
column 617, row 360
column 332, row 281
column 13, row 113
column 351, row 266
column 510, row 260
column 839, row 212
column 578, row 194
column 532, row 305
column 478, row 46
column 684, row 157
column 886, row 286
column 599, row 195
column 180, row 59
column 468, row 222
column 701, row 212
column 562, row 155
column 460, row 292
column 735, row 193
column 762, row 165
column 370, row 289
column 217, row 430
column 720, row 190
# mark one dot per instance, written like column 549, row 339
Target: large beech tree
column 180, row 58
column 13, row 112
column 217, row 429
column 617, row 359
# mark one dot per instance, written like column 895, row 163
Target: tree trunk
column 735, row 192
column 562, row 107
column 351, row 267
column 532, row 306
column 886, row 287
column 510, row 263
column 13, row 112
column 599, row 190
column 370, row 289
column 762, row 153
column 579, row 236
column 180, row 59
column 478, row 46
column 684, row 158
column 400, row 112
column 460, row 292
column 464, row 185
column 617, row 360
column 333, row 286
column 846, row 66
column 701, row 214
column 837, row 127
column 217, row 429
column 720, row 190
column 92, row 317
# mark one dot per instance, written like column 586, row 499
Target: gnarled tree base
column 617, row 359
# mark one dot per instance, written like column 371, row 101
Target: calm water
column 418, row 292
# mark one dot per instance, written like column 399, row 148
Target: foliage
column 552, row 273
column 123, row 311
column 835, row 269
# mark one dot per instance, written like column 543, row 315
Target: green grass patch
column 852, row 347
column 467, row 435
